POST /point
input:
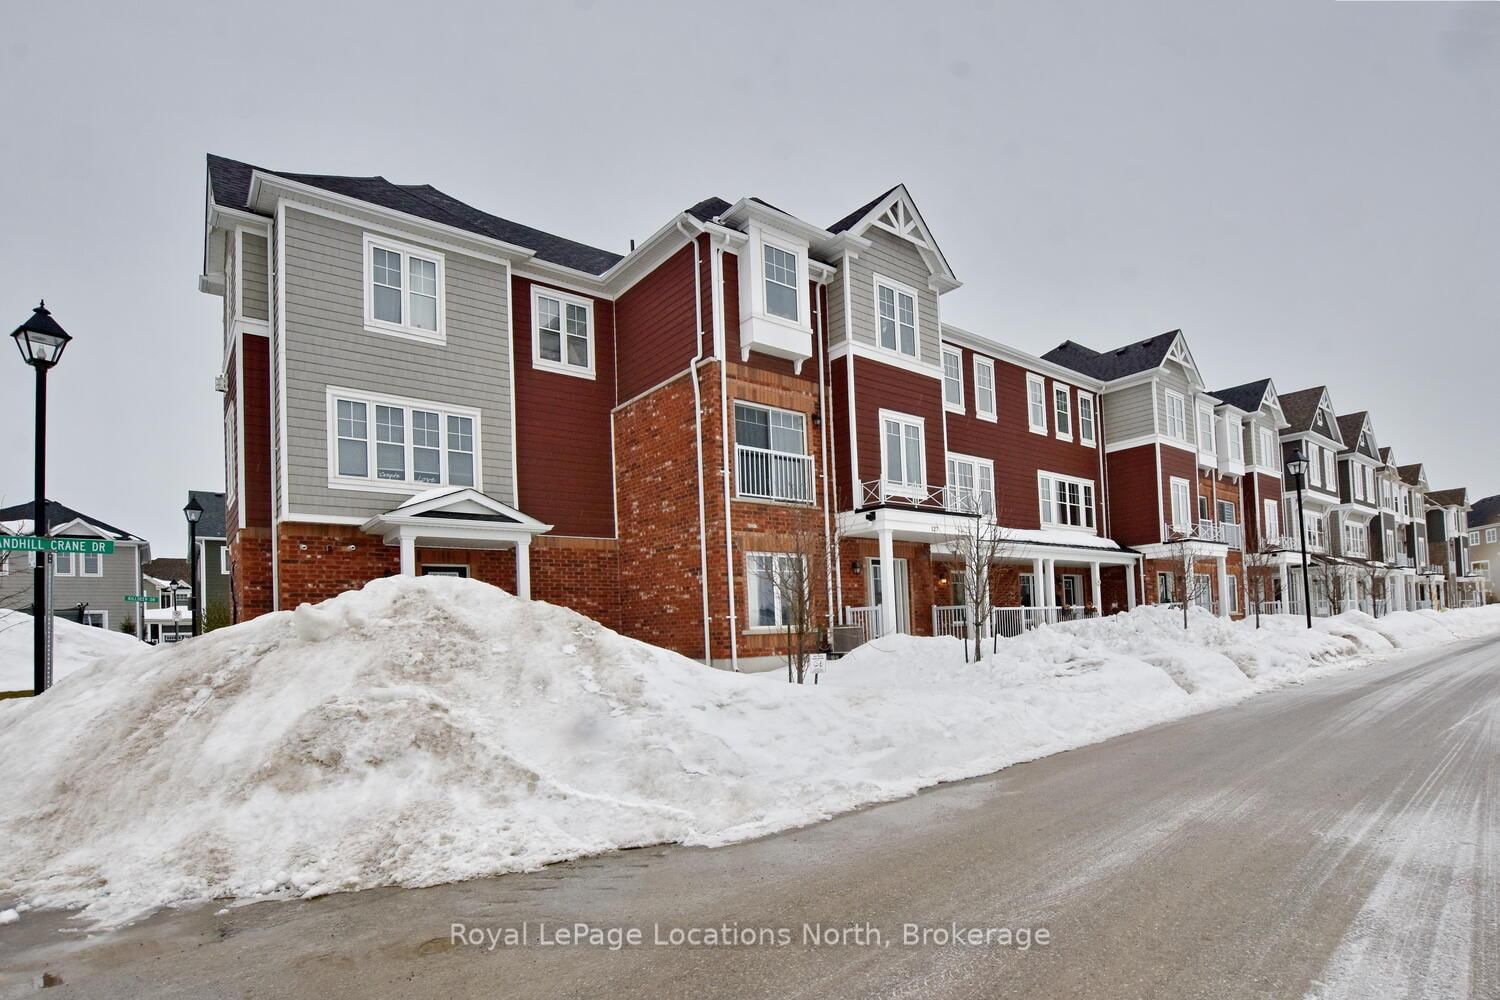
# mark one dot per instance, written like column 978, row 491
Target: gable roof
column 1449, row 498
column 229, row 182
column 1385, row 455
column 1485, row 510
column 168, row 568
column 848, row 221
column 58, row 515
column 709, row 209
column 1143, row 355
column 895, row 211
column 211, row 524
column 1301, row 410
column 1413, row 474
column 1351, row 426
column 1248, row 397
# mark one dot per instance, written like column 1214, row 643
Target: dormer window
column 781, row 283
column 896, row 316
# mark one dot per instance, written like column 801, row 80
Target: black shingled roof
column 230, row 182
column 1485, row 510
column 1350, row 424
column 860, row 212
column 1143, row 355
column 211, row 524
column 1301, row 407
column 709, row 209
column 1410, row 474
column 1449, row 498
column 1246, row 397
column 59, row 514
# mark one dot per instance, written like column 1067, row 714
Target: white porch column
column 1098, row 598
column 887, row 582
column 523, row 570
column 1286, row 590
column 1223, row 562
column 1130, row 588
column 1049, row 566
column 408, row 556
column 1038, row 584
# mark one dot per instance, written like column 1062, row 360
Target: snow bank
column 428, row 730
column 74, row 647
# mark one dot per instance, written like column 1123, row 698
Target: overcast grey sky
column 1308, row 189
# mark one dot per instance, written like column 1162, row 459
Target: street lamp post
column 193, row 512
column 1297, row 467
column 41, row 343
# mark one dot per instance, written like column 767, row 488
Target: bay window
column 1206, row 430
column 781, row 282
column 1065, row 501
column 403, row 289
column 400, row 442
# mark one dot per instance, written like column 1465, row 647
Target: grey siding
column 836, row 332
column 231, row 265
column 900, row 261
column 1174, row 378
column 255, row 280
column 215, row 580
column 327, row 344
column 1127, row 413
column 101, row 593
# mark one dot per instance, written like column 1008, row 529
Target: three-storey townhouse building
column 1169, row 498
column 1355, row 523
column 1448, row 515
column 1484, row 540
column 1255, row 409
column 1312, row 432
column 1427, row 582
column 1397, row 542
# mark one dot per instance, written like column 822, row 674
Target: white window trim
column 1063, row 434
column 102, row 613
column 914, row 490
column 1186, row 521
column 398, row 486
column 1034, row 379
column 1092, row 438
column 403, row 329
column 224, row 559
column 880, row 280
column 992, row 413
column 1490, row 535
column 1046, row 515
column 1209, row 447
column 1270, row 524
column 752, row 597
column 805, row 453
column 950, row 405
column 539, row 292
column 978, row 463
column 80, row 561
column 1168, row 396
column 57, row 564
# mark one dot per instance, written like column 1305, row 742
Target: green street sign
column 29, row 543
column 139, row 598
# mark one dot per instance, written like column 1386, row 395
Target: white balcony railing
column 867, row 618
column 937, row 499
column 764, row 474
column 1206, row 530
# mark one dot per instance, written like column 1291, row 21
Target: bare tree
column 1372, row 582
column 1188, row 585
column 1260, row 574
column 1330, row 580
column 977, row 544
column 796, row 575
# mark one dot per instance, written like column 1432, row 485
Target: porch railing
column 867, row 618
column 951, row 619
column 1006, row 622
column 1269, row 607
column 773, row 475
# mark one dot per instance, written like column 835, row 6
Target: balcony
column 1207, row 530
column 763, row 474
column 916, row 496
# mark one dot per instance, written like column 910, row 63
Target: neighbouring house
column 169, row 617
column 1448, row 524
column 1484, row 540
column 88, row 588
column 412, row 385
column 213, row 552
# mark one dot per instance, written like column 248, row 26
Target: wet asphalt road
column 1339, row 839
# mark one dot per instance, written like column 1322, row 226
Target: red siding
column 880, row 386
column 1019, row 454
column 838, row 442
column 1133, row 492
column 257, row 362
column 657, row 322
column 1177, row 464
column 1259, row 487
column 565, row 473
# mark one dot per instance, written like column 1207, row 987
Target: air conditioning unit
column 221, row 383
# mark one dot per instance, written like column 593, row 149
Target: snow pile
column 74, row 647
column 428, row 730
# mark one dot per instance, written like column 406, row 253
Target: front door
column 901, row 595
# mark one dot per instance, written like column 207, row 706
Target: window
column 1036, row 403
column 1065, row 501
column 1356, row 539
column 971, row 484
column 1473, row 538
column 1061, row 409
column 224, row 560
column 1234, row 435
column 62, row 564
column 1028, row 591
column 1176, row 415
column 1182, row 503
column 96, row 619
column 772, row 577
column 414, row 443
column 1268, row 456
column 183, row 597
column 1314, row 466
column 771, row 459
column 1164, row 591
column 1205, row 429
column 90, row 564
column 984, row 388
column 1072, row 590
column 953, row 378
column 562, row 332
column 1317, row 536
column 403, row 290
column 1271, row 525
column 1086, row 433
column 1234, row 594
column 1489, row 536
column 1329, row 476
column 781, row 282
column 1226, row 512
column 901, row 459
column 896, row 314
column 1357, row 481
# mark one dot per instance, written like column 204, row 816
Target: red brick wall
column 1133, row 491
column 655, row 322
column 563, row 456
column 250, row 587
column 579, row 573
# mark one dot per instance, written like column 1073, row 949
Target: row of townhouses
column 412, row 385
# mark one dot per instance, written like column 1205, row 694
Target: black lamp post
column 193, row 511
column 41, row 343
column 1297, row 467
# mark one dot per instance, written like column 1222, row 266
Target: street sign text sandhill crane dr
column 82, row 546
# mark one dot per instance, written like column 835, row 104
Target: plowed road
column 1340, row 839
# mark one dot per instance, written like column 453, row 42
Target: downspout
column 698, row 437
column 830, row 556
column 717, row 278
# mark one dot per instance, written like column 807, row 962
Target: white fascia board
column 1003, row 352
